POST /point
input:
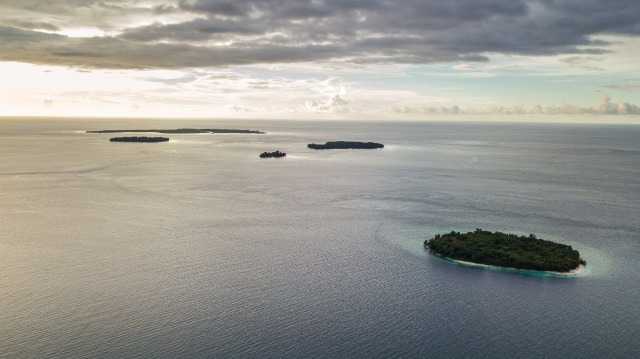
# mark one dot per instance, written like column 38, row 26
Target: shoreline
column 582, row 269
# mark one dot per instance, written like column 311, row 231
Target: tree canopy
column 345, row 145
column 181, row 131
column 275, row 154
column 139, row 139
column 505, row 250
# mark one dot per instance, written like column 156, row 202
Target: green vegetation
column 506, row 250
column 140, row 139
column 276, row 154
column 180, row 131
column 345, row 145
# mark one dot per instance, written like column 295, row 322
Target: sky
column 319, row 58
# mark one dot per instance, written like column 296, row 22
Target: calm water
column 198, row 248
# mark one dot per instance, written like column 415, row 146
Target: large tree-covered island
column 181, row 131
column 506, row 250
column 345, row 145
column 143, row 139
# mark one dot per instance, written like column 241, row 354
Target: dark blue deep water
column 197, row 248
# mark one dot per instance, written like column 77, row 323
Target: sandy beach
column 574, row 272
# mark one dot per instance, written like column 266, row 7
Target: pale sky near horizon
column 348, row 58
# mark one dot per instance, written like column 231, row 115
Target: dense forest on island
column 276, row 154
column 506, row 250
column 181, row 131
column 139, row 139
column 345, row 145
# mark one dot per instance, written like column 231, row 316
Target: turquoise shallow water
column 534, row 273
column 198, row 248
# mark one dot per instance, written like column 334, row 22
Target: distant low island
column 139, row 139
column 345, row 145
column 506, row 250
column 181, row 131
column 275, row 154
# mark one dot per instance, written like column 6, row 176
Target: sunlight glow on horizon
column 249, row 59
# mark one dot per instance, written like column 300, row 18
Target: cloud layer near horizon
column 216, row 33
column 604, row 107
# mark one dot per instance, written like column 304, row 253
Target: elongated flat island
column 506, row 250
column 181, row 131
column 140, row 139
column 275, row 154
column 345, row 145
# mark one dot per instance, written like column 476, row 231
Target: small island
column 181, row 131
column 506, row 250
column 345, row 145
column 276, row 154
column 140, row 139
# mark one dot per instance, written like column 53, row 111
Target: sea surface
column 197, row 248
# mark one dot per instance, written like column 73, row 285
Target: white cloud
column 335, row 104
column 624, row 86
column 604, row 107
column 464, row 67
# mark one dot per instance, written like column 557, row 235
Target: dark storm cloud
column 196, row 30
column 30, row 25
column 203, row 33
column 229, row 8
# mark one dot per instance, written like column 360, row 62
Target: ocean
column 198, row 248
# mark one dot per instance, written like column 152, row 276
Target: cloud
column 184, row 78
column 30, row 25
column 335, row 104
column 158, row 34
column 583, row 62
column 454, row 110
column 335, row 89
column 604, row 107
column 464, row 67
column 622, row 108
column 626, row 86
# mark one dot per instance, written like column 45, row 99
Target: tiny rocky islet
column 275, row 154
